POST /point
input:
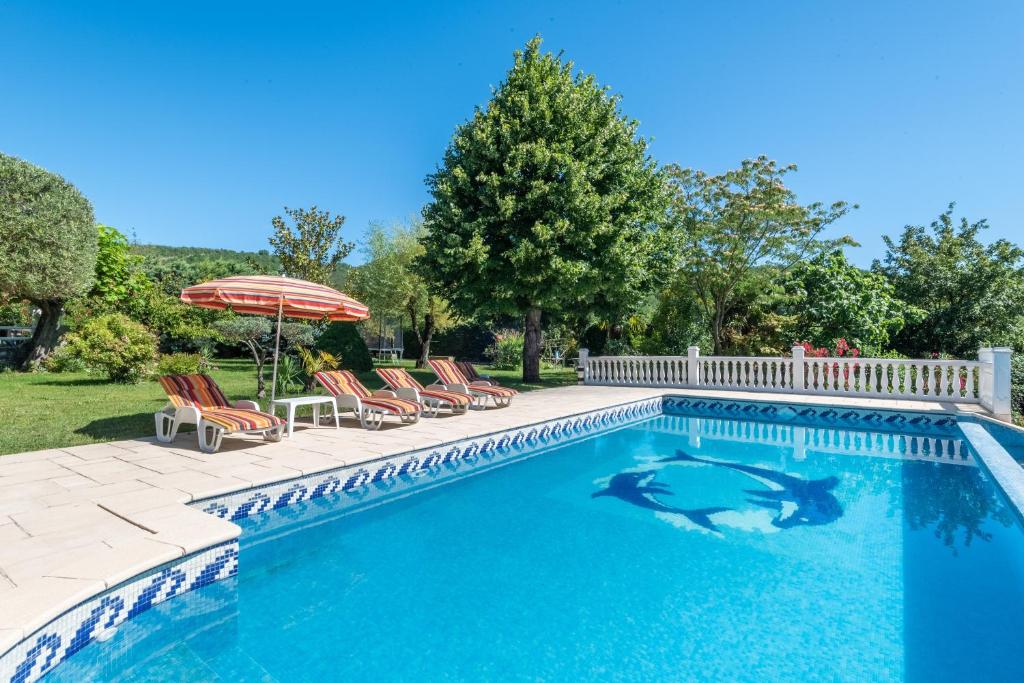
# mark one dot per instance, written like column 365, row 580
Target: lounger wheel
column 166, row 427
column 210, row 436
column 371, row 419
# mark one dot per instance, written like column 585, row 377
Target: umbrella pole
column 277, row 347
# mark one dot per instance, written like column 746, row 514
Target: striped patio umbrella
column 284, row 297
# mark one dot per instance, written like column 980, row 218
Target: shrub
column 183, row 364
column 343, row 341
column 117, row 345
column 64, row 359
column 289, row 374
column 506, row 353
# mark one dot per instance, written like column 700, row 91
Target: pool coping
column 160, row 520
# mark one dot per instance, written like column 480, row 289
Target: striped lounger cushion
column 201, row 392
column 397, row 378
column 448, row 372
column 340, row 382
column 450, row 396
column 241, row 419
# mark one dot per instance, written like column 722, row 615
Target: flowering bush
column 819, row 374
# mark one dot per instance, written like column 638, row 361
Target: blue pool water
column 674, row 549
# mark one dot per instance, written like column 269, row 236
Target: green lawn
column 54, row 410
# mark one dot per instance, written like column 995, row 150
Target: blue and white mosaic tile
column 427, row 466
column 76, row 628
column 812, row 416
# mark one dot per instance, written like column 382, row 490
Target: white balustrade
column 985, row 381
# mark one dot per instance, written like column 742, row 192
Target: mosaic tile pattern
column 812, row 416
column 427, row 466
column 76, row 628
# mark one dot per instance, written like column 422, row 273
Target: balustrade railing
column 984, row 381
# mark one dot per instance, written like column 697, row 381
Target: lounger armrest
column 481, row 383
column 437, row 387
column 246, row 405
column 458, row 388
column 408, row 393
column 384, row 393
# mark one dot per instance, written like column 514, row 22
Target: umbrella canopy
column 275, row 295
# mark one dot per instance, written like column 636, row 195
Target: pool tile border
column 427, row 466
column 812, row 415
column 50, row 645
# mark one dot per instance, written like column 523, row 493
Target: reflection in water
column 951, row 498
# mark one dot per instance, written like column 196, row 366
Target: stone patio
column 76, row 521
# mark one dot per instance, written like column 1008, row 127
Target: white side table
column 291, row 403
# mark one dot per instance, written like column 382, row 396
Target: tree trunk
column 716, row 330
column 531, row 346
column 46, row 335
column 259, row 355
column 424, row 339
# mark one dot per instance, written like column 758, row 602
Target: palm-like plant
column 314, row 362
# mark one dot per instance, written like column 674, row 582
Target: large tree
column 970, row 293
column 47, row 246
column 313, row 249
column 729, row 227
column 390, row 285
column 546, row 202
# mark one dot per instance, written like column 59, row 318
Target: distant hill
column 178, row 264
column 160, row 253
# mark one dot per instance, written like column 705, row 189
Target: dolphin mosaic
column 639, row 488
column 798, row 502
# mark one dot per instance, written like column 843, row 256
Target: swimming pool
column 734, row 545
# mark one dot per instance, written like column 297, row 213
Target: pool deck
column 76, row 521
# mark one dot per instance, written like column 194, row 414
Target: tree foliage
column 117, row 345
column 838, row 300
column 390, row 285
column 313, row 248
column 119, row 275
column 970, row 294
column 258, row 336
column 47, row 245
column 730, row 225
column 546, row 201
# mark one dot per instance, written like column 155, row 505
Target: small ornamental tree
column 47, row 246
column 546, row 204
column 969, row 293
column 391, row 286
column 731, row 226
column 257, row 335
column 312, row 249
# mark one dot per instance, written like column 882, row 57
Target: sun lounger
column 369, row 407
column 450, row 376
column 433, row 397
column 196, row 399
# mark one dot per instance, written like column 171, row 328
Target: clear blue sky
column 194, row 123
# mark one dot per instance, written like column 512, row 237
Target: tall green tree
column 47, row 246
column 971, row 294
column 313, row 248
column 730, row 226
column 546, row 202
column 839, row 300
column 390, row 285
